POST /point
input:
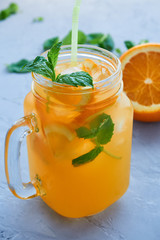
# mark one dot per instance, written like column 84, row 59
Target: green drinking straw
column 75, row 20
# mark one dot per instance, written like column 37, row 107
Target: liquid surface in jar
column 96, row 70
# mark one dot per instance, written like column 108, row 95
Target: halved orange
column 141, row 77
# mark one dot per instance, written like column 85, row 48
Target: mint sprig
column 46, row 68
column 100, row 132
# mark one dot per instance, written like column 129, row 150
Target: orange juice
column 86, row 189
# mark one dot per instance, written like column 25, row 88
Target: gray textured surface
column 137, row 214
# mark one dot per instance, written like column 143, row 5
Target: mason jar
column 78, row 140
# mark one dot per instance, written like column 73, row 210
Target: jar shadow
column 146, row 132
column 82, row 228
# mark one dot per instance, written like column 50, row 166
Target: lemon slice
column 59, row 129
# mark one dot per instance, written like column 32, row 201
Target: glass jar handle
column 15, row 135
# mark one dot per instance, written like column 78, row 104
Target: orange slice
column 141, row 77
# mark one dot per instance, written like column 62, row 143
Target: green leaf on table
column 68, row 38
column 76, row 79
column 12, row 9
column 38, row 19
column 94, row 38
column 107, row 42
column 143, row 41
column 17, row 67
column 88, row 157
column 41, row 66
column 50, row 42
column 118, row 51
column 4, row 14
column 129, row 44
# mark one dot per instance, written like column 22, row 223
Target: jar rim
column 66, row 49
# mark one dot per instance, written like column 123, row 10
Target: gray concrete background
column 137, row 214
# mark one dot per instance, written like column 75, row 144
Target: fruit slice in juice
column 61, row 130
column 64, row 143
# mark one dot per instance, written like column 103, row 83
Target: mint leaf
column 50, row 42
column 4, row 14
column 41, row 66
column 104, row 127
column 76, row 79
column 101, row 128
column 97, row 121
column 12, row 9
column 38, row 19
column 118, row 51
column 105, row 131
column 88, row 157
column 85, row 133
column 53, row 54
column 129, row 44
column 143, row 41
column 81, row 38
column 94, row 38
column 107, row 42
column 17, row 67
column 53, row 57
column 67, row 39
